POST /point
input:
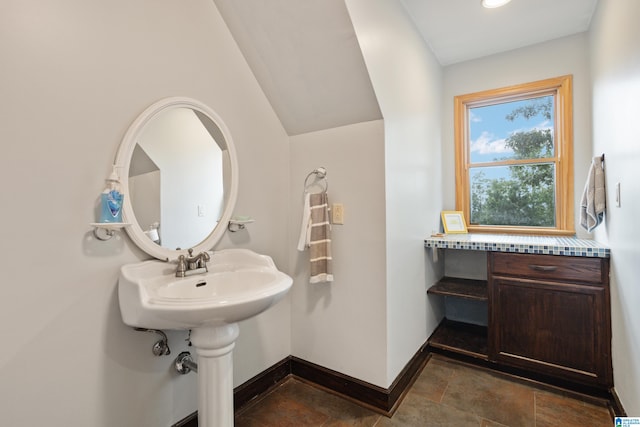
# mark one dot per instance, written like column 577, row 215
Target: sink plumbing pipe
column 161, row 347
column 184, row 363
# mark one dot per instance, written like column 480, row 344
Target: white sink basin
column 239, row 284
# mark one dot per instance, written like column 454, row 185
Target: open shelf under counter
column 462, row 338
column 461, row 288
column 459, row 337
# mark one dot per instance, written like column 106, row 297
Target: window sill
column 537, row 231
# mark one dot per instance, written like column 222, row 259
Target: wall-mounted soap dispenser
column 111, row 199
column 110, row 208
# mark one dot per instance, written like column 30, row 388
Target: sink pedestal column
column 214, row 347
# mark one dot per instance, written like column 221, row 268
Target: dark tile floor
column 446, row 393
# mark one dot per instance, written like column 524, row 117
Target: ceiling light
column 490, row 4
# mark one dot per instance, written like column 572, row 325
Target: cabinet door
column 553, row 328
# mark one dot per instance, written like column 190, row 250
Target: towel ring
column 320, row 177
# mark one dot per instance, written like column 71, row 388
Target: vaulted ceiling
column 306, row 58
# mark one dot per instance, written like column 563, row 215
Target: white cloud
column 544, row 125
column 473, row 118
column 485, row 144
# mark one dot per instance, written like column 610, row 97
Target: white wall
column 568, row 55
column 341, row 325
column 375, row 316
column 74, row 75
column 407, row 80
column 615, row 73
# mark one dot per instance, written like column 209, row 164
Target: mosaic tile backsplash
column 547, row 245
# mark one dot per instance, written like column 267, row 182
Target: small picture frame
column 453, row 222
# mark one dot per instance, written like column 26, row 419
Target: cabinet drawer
column 550, row 267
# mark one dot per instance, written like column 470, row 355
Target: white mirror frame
column 123, row 161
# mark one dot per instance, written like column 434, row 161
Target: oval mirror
column 178, row 171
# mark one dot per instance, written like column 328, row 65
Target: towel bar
column 320, row 176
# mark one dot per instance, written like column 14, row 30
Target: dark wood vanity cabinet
column 551, row 314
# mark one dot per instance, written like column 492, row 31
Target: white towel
column 305, row 228
column 593, row 203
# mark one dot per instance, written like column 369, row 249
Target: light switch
column 200, row 210
column 617, row 194
column 337, row 213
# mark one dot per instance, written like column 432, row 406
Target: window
column 514, row 158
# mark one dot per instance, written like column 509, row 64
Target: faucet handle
column 182, row 266
column 190, row 250
column 204, row 258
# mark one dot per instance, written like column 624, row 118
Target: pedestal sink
column 239, row 284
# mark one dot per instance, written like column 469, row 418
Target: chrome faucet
column 190, row 265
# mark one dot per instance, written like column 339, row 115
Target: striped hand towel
column 320, row 239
